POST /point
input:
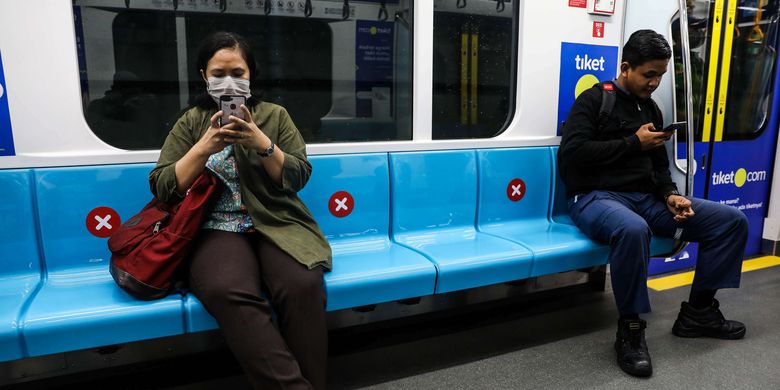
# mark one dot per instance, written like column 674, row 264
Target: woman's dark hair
column 226, row 40
column 644, row 46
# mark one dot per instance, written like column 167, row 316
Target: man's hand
column 680, row 207
column 651, row 139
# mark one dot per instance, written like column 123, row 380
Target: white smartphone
column 230, row 105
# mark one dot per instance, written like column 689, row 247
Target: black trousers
column 227, row 273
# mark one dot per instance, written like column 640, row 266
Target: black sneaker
column 707, row 322
column 632, row 354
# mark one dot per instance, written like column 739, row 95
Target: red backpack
column 148, row 248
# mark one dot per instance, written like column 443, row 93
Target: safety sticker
column 598, row 29
column 103, row 221
column 515, row 190
column 341, row 204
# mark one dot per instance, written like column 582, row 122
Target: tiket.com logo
column 738, row 178
column 587, row 80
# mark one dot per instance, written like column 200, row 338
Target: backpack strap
column 608, row 99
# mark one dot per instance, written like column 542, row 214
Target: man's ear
column 624, row 67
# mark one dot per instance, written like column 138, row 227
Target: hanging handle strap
column 382, row 11
column 757, row 34
column 345, row 10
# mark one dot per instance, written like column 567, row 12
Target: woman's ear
column 203, row 75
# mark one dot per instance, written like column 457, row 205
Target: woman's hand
column 213, row 141
column 245, row 132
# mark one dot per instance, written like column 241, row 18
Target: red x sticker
column 341, row 204
column 103, row 221
column 515, row 190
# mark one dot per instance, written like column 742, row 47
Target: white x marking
column 516, row 190
column 103, row 222
column 342, row 204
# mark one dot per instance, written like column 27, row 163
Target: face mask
column 218, row 86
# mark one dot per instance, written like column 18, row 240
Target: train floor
column 558, row 341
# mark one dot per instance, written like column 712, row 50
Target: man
column 620, row 192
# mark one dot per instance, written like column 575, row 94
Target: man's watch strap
column 268, row 151
column 670, row 193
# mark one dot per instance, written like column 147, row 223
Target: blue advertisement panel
column 374, row 68
column 741, row 177
column 582, row 66
column 686, row 259
column 6, row 136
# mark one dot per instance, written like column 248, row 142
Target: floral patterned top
column 229, row 213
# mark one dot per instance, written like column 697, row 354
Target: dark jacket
column 591, row 158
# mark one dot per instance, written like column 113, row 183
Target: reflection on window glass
column 341, row 79
column 753, row 57
column 473, row 68
column 699, row 15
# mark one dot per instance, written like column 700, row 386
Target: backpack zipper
column 157, row 227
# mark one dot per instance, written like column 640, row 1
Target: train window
column 342, row 69
column 699, row 15
column 753, row 59
column 473, row 67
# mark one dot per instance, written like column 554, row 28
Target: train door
column 733, row 51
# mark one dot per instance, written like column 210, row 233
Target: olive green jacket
column 277, row 212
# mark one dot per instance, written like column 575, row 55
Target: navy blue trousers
column 627, row 221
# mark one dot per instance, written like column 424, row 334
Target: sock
column 701, row 299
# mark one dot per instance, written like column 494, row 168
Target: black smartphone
column 676, row 126
column 230, row 105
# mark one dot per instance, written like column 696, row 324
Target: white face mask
column 227, row 85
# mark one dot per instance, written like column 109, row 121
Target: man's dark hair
column 226, row 40
column 644, row 46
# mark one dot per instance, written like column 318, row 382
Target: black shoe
column 707, row 322
column 631, row 348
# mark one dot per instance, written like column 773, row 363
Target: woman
column 259, row 234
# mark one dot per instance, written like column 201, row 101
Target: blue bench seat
column 434, row 197
column 368, row 268
column 560, row 213
column 556, row 247
column 20, row 273
column 79, row 306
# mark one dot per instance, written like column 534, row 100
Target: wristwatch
column 268, row 151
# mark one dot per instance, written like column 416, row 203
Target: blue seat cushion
column 556, row 247
column 197, row 319
column 465, row 258
column 14, row 291
column 374, row 271
column 86, row 309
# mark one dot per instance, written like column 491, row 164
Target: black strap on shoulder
column 608, row 99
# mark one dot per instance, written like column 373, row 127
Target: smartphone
column 230, row 105
column 676, row 126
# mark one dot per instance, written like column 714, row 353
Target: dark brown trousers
column 227, row 273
